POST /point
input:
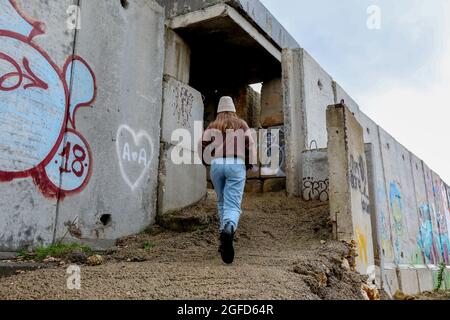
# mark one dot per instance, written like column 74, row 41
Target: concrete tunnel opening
column 226, row 57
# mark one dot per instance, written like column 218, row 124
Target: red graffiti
column 39, row 138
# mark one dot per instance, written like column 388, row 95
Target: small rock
column 95, row 260
column 51, row 260
column 401, row 296
column 371, row 291
column 365, row 295
column 323, row 280
column 346, row 265
column 77, row 256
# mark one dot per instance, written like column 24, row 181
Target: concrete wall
column 177, row 61
column 294, row 118
column 272, row 104
column 252, row 9
column 272, row 140
column 180, row 185
column 315, row 176
column 87, row 169
column 409, row 212
column 405, row 202
column 349, row 184
column 182, row 107
column 340, row 94
column 29, row 134
column 124, row 125
column 307, row 91
column 414, row 231
column 408, row 202
column 318, row 94
column 181, row 182
column 408, row 207
column 90, row 175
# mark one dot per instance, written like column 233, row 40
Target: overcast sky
column 399, row 74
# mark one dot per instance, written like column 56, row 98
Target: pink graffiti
column 37, row 106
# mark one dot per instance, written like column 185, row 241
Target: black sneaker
column 226, row 244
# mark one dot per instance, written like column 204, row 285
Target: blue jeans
column 228, row 177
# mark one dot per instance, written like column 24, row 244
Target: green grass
column 59, row 250
column 440, row 279
column 148, row 246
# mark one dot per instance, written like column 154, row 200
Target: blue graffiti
column 425, row 238
column 395, row 200
column 38, row 105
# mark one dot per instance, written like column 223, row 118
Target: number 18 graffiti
column 38, row 133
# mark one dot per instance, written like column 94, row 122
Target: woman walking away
column 228, row 146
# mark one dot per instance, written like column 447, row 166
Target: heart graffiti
column 135, row 152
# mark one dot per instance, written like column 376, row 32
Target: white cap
column 226, row 104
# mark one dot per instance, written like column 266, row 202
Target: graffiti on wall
column 39, row 137
column 426, row 239
column 440, row 195
column 397, row 224
column 135, row 153
column 447, row 188
column 361, row 241
column 315, row 190
column 273, row 141
column 183, row 102
column 359, row 180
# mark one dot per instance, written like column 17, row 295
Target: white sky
column 399, row 75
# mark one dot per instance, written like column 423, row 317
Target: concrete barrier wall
column 87, row 168
column 181, row 183
column 318, row 94
column 80, row 128
column 124, row 126
column 401, row 198
column 177, row 61
column 29, row 133
column 340, row 94
column 255, row 10
column 349, row 185
column 307, row 91
column 418, row 227
column 409, row 208
column 271, row 104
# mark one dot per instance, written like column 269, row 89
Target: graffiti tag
column 182, row 105
column 315, row 190
column 359, row 181
column 135, row 153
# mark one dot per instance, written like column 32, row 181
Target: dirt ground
column 284, row 251
column 433, row 296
